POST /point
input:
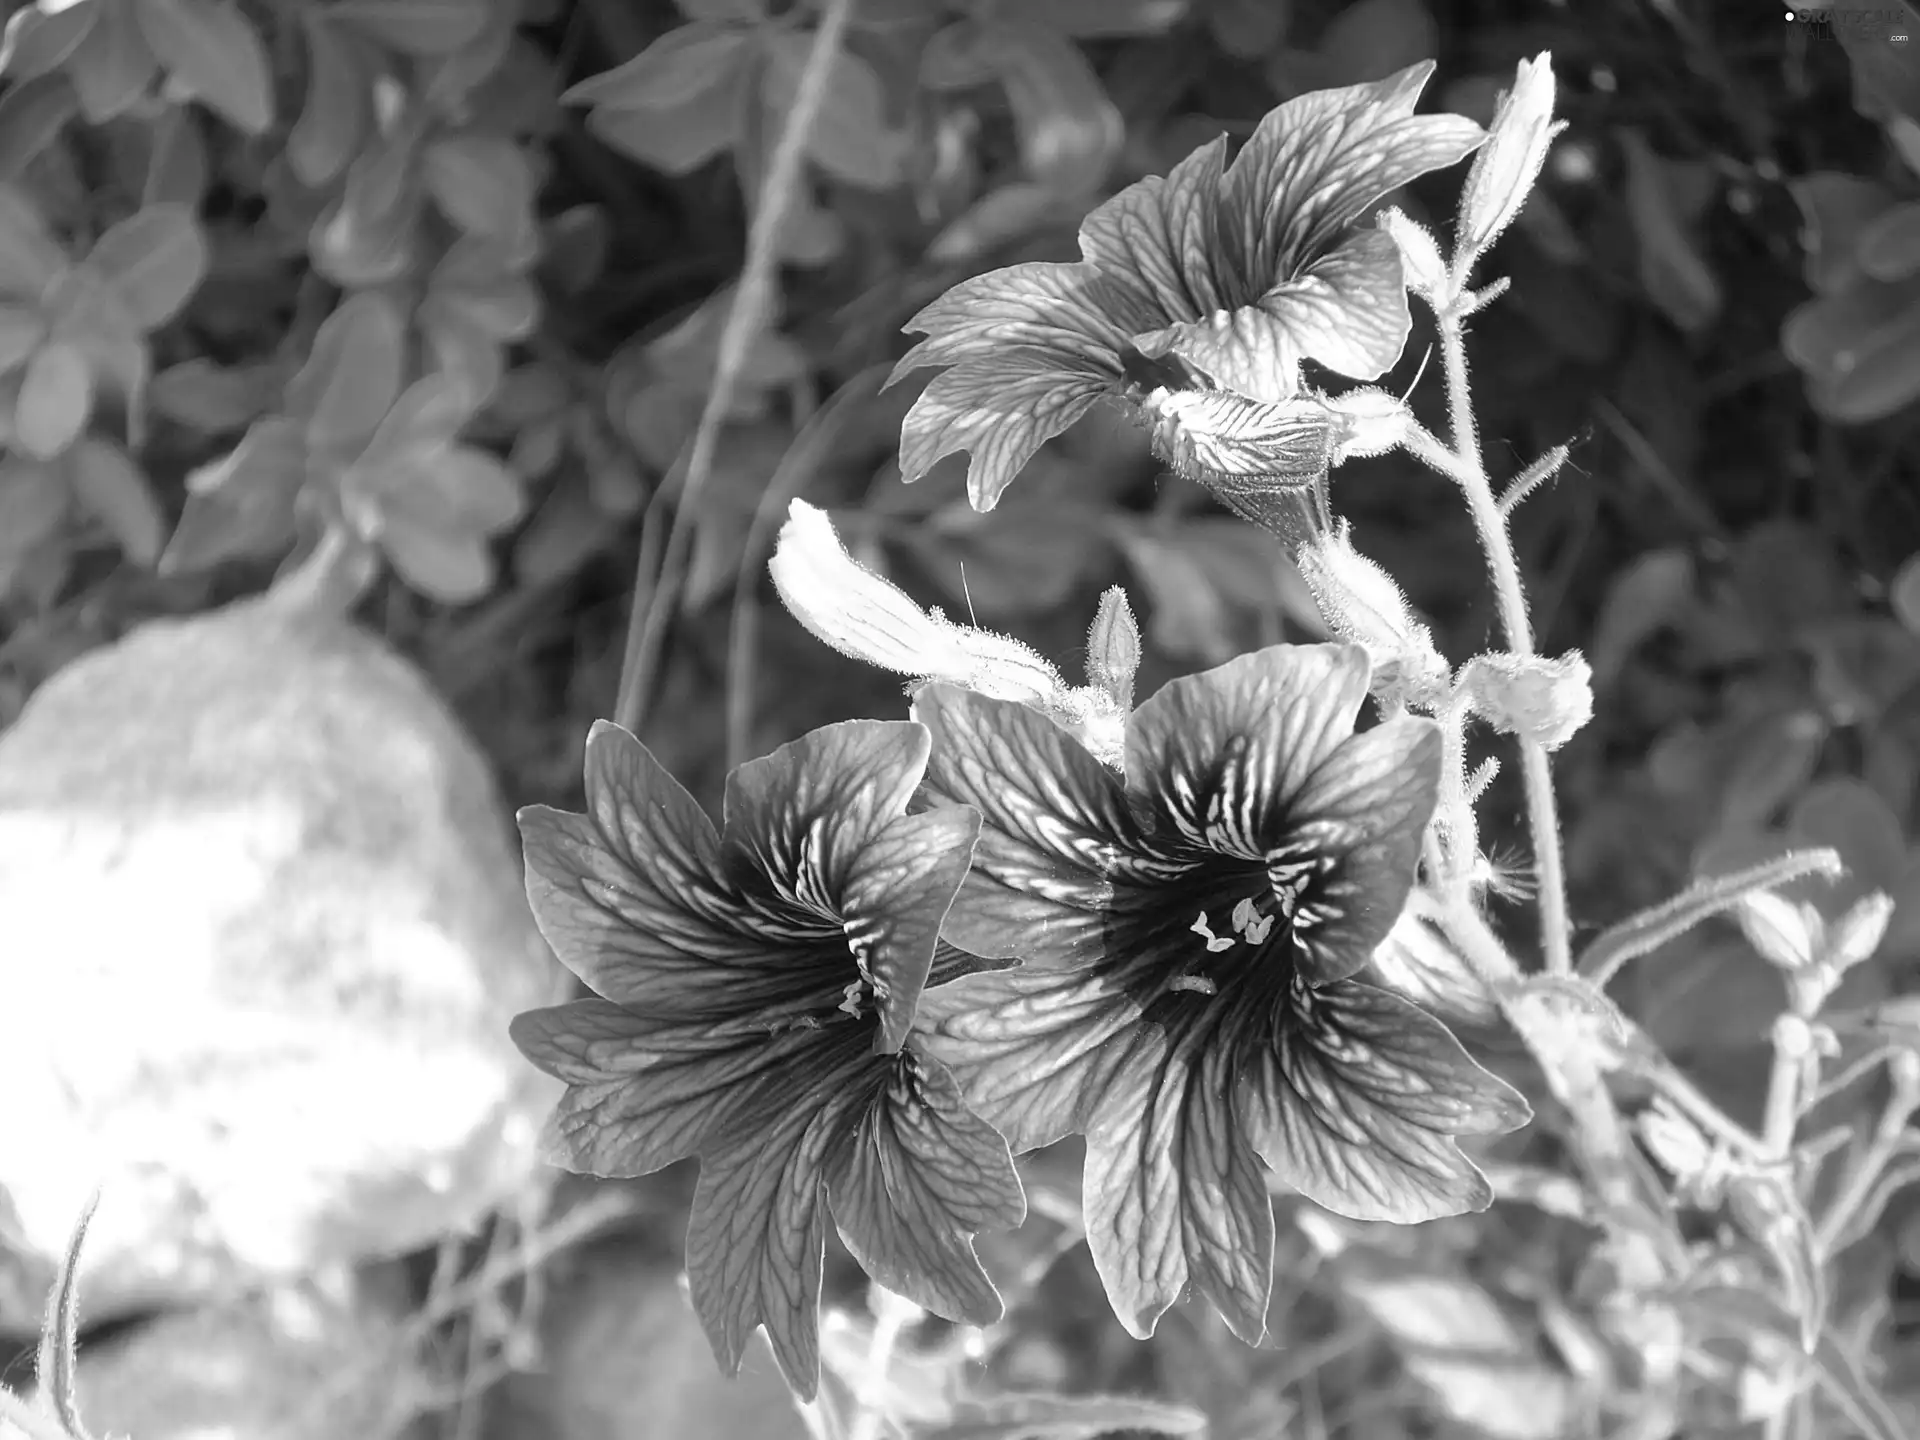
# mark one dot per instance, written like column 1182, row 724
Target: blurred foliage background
column 448, row 278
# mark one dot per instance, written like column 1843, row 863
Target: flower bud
column 1539, row 699
column 844, row 605
column 1786, row 935
column 1507, row 165
column 1367, row 421
column 1360, row 602
column 1113, row 649
column 1425, row 271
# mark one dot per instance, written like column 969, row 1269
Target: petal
column 756, row 1239
column 1219, row 758
column 643, row 1093
column 900, row 890
column 1055, row 837
column 1157, row 238
column 1069, row 313
column 1357, row 1104
column 1034, row 1050
column 1172, row 1194
column 1364, row 812
column 1315, row 164
column 1000, row 410
column 925, row 1174
column 1347, row 310
column 800, row 816
column 630, row 894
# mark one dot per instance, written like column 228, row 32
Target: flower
column 1503, row 173
column 753, row 996
column 1190, row 940
column 1233, row 274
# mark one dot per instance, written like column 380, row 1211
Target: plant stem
column 1471, row 475
column 890, row 1317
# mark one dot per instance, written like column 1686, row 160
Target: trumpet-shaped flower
column 1192, row 937
column 753, row 997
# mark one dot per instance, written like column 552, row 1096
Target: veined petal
column 1347, row 310
column 631, row 897
column 897, row 892
column 1365, row 809
column 1315, row 164
column 1173, row 1194
column 1055, row 839
column 925, row 1175
column 801, row 815
column 1035, row 1050
column 643, row 1093
column 1066, row 311
column 1357, row 1103
column 1157, row 237
column 1219, row 758
column 1000, row 409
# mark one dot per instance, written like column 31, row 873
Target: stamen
column 1198, row 984
column 1215, row 943
column 850, row 1002
column 1250, row 922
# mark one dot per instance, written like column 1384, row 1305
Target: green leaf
column 176, row 162
column 352, row 376
column 38, row 42
column 1069, row 130
column 32, row 115
column 153, row 261
column 21, row 331
column 453, row 567
column 241, row 506
column 35, row 500
column 1247, row 29
column 850, row 139
column 415, row 27
column 1106, row 19
column 337, row 111
column 1372, row 39
column 483, row 184
column 212, row 50
column 113, row 67
column 56, row 400
column 1904, row 594
column 1064, row 1417
column 684, row 138
column 30, row 258
column 116, row 491
column 680, row 68
column 464, row 352
column 213, row 399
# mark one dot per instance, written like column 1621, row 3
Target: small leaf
column 850, row 139
column 453, row 567
column 1904, row 594
column 56, row 400
column 21, row 331
column 415, row 27
column 30, row 258
column 672, row 73
column 39, row 41
column 214, row 400
column 241, row 506
column 34, row 503
column 1674, row 272
column 176, row 162
column 1646, row 596
column 679, row 140
column 1372, row 39
column 153, row 261
column 211, row 49
column 32, row 115
column 1064, row 1417
column 108, row 483
column 114, row 66
column 337, row 109
column 1069, row 130
column 482, row 183
column 1247, row 29
column 352, row 375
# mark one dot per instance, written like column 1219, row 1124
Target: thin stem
column 1888, row 1137
column 1471, row 475
column 891, row 1316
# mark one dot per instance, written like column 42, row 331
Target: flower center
column 1230, row 944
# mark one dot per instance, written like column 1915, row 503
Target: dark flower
column 1190, row 938
column 1237, row 272
column 755, row 991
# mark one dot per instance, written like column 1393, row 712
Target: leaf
column 1649, row 594
column 453, row 567
column 153, row 261
column 34, row 503
column 58, row 1356
column 114, row 66
column 415, row 27
column 464, row 352
column 1673, row 271
column 211, row 49
column 39, row 41
column 56, row 400
column 176, row 162
column 483, row 184
column 21, row 331
column 116, row 490
column 352, row 376
column 682, row 139
column 1904, row 594
column 32, row 115
column 335, row 116
column 241, row 506
column 1069, row 131
column 1372, row 39
column 1247, row 29
column 1647, row 931
column 1064, row 1417
column 204, row 396
column 1889, row 244
column 30, row 258
column 1835, row 209
column 682, row 67
column 850, row 139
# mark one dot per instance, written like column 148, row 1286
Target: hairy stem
column 1470, row 472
